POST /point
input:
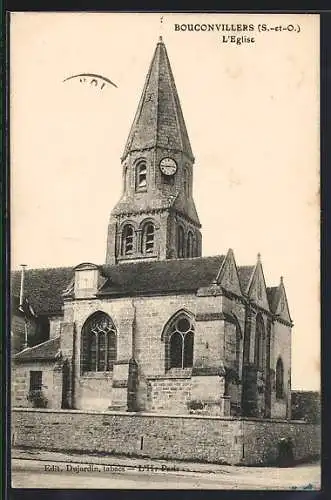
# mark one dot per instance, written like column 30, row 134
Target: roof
column 245, row 273
column 173, row 275
column 159, row 120
column 46, row 351
column 43, row 287
column 272, row 295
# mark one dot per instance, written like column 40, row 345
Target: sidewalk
column 27, row 462
column 129, row 463
column 134, row 463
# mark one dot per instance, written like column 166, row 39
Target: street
column 31, row 473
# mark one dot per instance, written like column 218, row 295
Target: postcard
column 165, row 328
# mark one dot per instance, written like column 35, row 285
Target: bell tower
column 156, row 218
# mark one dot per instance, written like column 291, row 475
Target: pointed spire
column 259, row 257
column 159, row 120
column 281, row 280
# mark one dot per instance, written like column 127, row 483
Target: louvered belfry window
column 99, row 342
column 148, row 237
column 141, row 176
column 128, row 240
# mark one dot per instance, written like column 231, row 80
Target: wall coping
column 159, row 415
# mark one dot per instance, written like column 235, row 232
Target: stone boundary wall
column 176, row 437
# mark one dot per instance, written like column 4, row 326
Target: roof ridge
column 41, row 269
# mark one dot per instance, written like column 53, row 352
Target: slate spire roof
column 159, row 120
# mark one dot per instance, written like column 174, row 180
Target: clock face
column 168, row 166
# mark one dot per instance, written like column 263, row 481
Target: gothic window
column 279, row 379
column 189, row 245
column 141, row 176
column 259, row 342
column 179, row 344
column 127, row 240
column 148, row 238
column 98, row 343
column 180, row 242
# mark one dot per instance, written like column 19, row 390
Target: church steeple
column 156, row 216
column 159, row 120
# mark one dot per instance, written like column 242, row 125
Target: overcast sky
column 252, row 114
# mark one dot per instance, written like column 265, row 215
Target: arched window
column 279, row 379
column 127, row 240
column 179, row 342
column 180, row 242
column 148, row 238
column 98, row 344
column 189, row 245
column 259, row 342
column 141, row 176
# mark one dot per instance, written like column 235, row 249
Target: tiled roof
column 245, row 273
column 43, row 352
column 176, row 275
column 43, row 287
column 272, row 297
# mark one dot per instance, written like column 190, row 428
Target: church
column 157, row 328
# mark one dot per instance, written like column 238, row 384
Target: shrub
column 37, row 398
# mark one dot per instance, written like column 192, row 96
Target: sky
column 252, row 115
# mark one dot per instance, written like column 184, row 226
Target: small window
column 141, row 176
column 279, row 379
column 180, row 242
column 35, row 380
column 148, row 238
column 127, row 240
column 186, row 182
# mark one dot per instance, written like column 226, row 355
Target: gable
column 228, row 275
column 281, row 307
column 257, row 290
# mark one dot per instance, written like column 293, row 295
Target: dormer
column 86, row 280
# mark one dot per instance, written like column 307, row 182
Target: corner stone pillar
column 208, row 374
column 56, row 400
column 68, row 351
column 124, row 382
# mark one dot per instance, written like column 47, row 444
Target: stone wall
column 94, row 392
column 261, row 440
column 196, row 438
column 170, row 394
column 20, row 383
